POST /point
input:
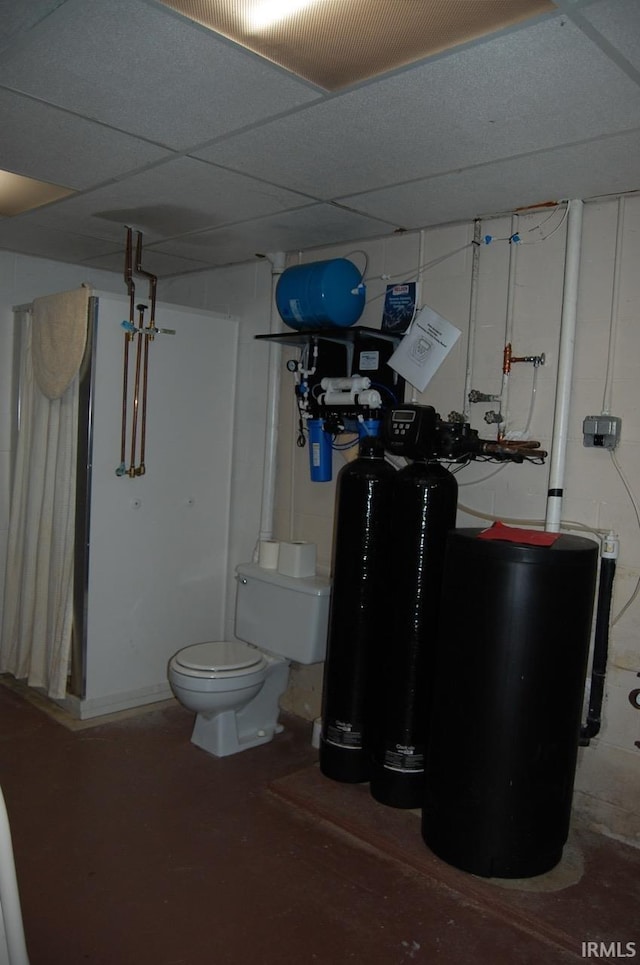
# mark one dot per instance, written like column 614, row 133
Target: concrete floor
column 133, row 847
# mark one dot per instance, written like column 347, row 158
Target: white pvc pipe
column 421, row 246
column 9, row 897
column 565, row 367
column 277, row 260
column 615, row 305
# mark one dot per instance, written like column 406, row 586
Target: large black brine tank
column 515, row 625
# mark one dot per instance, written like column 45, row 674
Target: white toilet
column 234, row 687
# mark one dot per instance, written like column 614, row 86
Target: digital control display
column 403, row 415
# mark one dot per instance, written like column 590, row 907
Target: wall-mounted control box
column 601, row 431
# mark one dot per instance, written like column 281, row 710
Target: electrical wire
column 553, row 231
column 417, row 271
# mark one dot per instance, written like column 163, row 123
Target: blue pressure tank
column 323, row 294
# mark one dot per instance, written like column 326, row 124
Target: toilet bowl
column 234, row 686
column 219, row 681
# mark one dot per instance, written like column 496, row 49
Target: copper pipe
column 521, row 443
column 128, row 275
column 149, row 334
column 131, row 289
column 153, row 283
column 533, row 359
column 136, row 392
column 506, row 359
column 140, row 471
column 125, row 380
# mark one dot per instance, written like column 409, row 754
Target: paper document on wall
column 424, row 348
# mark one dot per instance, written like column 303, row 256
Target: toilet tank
column 285, row 615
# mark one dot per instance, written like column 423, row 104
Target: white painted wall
column 245, row 292
column 609, row 771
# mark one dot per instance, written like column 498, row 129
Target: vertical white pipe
column 277, row 260
column 565, row 366
column 615, row 305
column 414, row 391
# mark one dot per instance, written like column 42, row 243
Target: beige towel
column 59, row 339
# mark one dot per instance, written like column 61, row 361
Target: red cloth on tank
column 514, row 534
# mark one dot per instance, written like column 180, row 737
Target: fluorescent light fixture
column 335, row 43
column 18, row 194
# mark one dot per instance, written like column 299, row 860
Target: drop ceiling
column 218, row 155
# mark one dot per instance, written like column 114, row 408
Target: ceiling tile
column 180, row 196
column 34, row 239
column 215, row 154
column 515, row 93
column 17, row 18
column 517, row 182
column 161, row 264
column 143, row 70
column 619, row 22
column 309, row 227
column 78, row 153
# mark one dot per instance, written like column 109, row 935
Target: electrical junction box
column 601, row 431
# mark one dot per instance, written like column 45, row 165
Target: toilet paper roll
column 297, row 559
column 268, row 554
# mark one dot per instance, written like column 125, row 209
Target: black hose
column 600, row 652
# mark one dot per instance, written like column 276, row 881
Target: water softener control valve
column 411, row 431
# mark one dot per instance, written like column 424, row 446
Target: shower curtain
column 38, row 597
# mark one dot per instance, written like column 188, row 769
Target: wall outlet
column 601, row 431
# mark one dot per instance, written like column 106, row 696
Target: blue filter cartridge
column 319, row 451
column 368, row 427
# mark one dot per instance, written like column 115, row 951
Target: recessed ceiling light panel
column 18, row 194
column 335, row 43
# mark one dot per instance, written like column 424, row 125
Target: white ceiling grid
column 216, row 154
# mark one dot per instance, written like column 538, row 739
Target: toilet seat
column 219, row 659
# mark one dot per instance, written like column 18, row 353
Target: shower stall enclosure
column 151, row 550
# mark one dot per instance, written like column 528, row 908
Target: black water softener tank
column 512, row 653
column 359, row 609
column 425, row 496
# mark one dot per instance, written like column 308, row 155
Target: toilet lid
column 219, row 656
